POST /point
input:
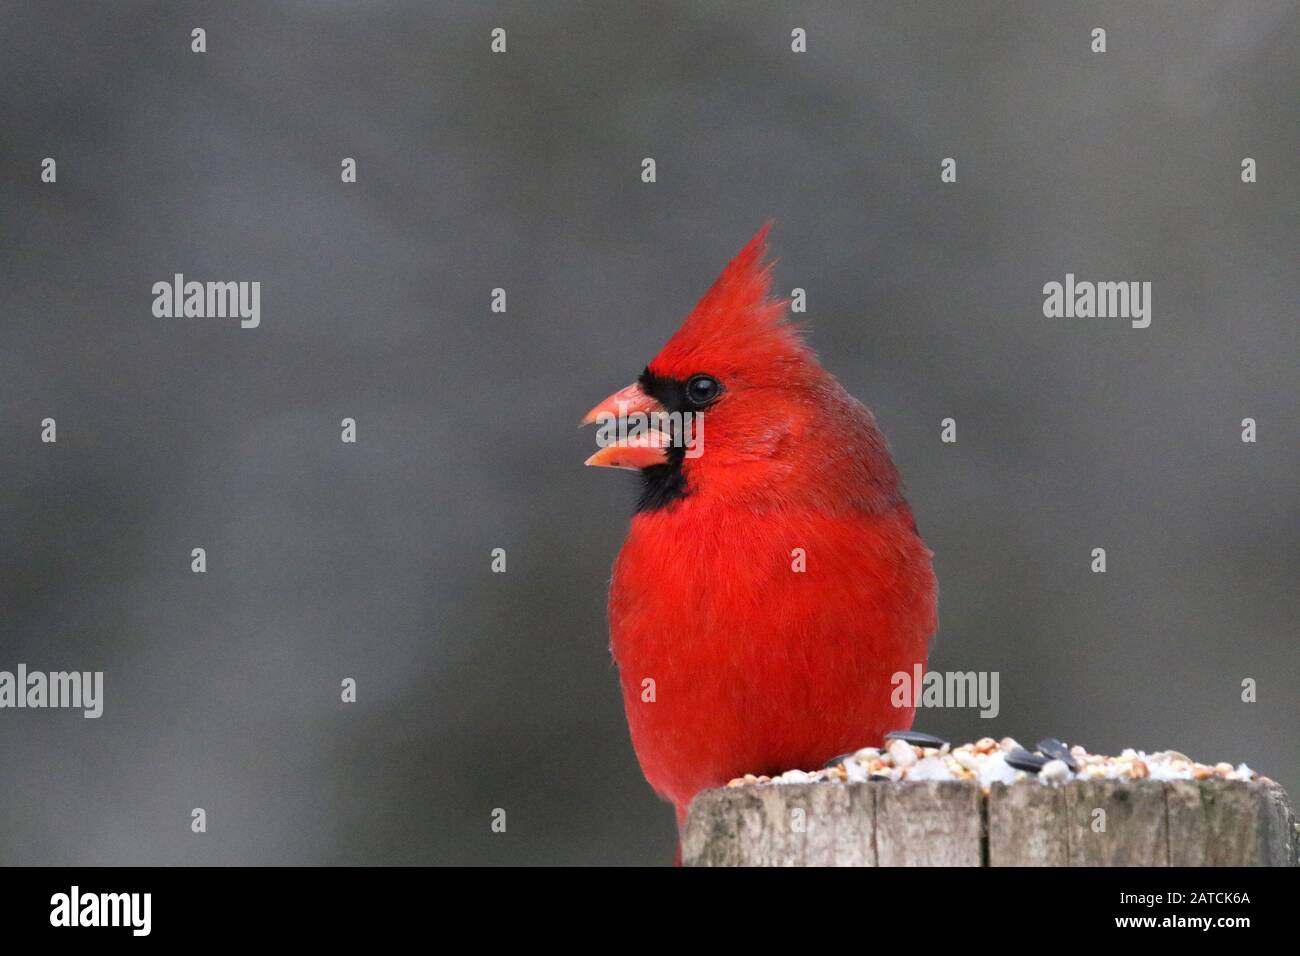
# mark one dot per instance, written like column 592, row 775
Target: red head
column 772, row 416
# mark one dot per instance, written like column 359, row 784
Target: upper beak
column 622, row 404
column 643, row 449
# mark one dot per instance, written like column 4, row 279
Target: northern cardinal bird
column 773, row 579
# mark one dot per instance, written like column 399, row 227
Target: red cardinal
column 772, row 580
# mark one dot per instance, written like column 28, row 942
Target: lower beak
column 629, row 438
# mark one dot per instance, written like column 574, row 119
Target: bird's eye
column 702, row 389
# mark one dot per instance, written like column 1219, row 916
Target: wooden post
column 951, row 823
column 928, row 823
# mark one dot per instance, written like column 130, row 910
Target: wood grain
column 928, row 823
column 1027, row 826
column 786, row 825
column 1220, row 823
column 949, row 823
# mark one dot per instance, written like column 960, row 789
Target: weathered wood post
column 959, row 823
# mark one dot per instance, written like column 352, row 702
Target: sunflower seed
column 1024, row 760
column 836, row 761
column 1051, row 747
column 916, row 738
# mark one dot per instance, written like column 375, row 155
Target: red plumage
column 757, row 667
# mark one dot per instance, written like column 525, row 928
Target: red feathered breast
column 757, row 667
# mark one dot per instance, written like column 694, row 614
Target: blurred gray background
column 481, row 690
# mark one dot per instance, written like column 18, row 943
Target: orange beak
column 641, row 446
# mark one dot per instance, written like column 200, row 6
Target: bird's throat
column 662, row 485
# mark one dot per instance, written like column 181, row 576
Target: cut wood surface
column 951, row 823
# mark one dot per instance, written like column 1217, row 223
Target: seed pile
column 911, row 755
